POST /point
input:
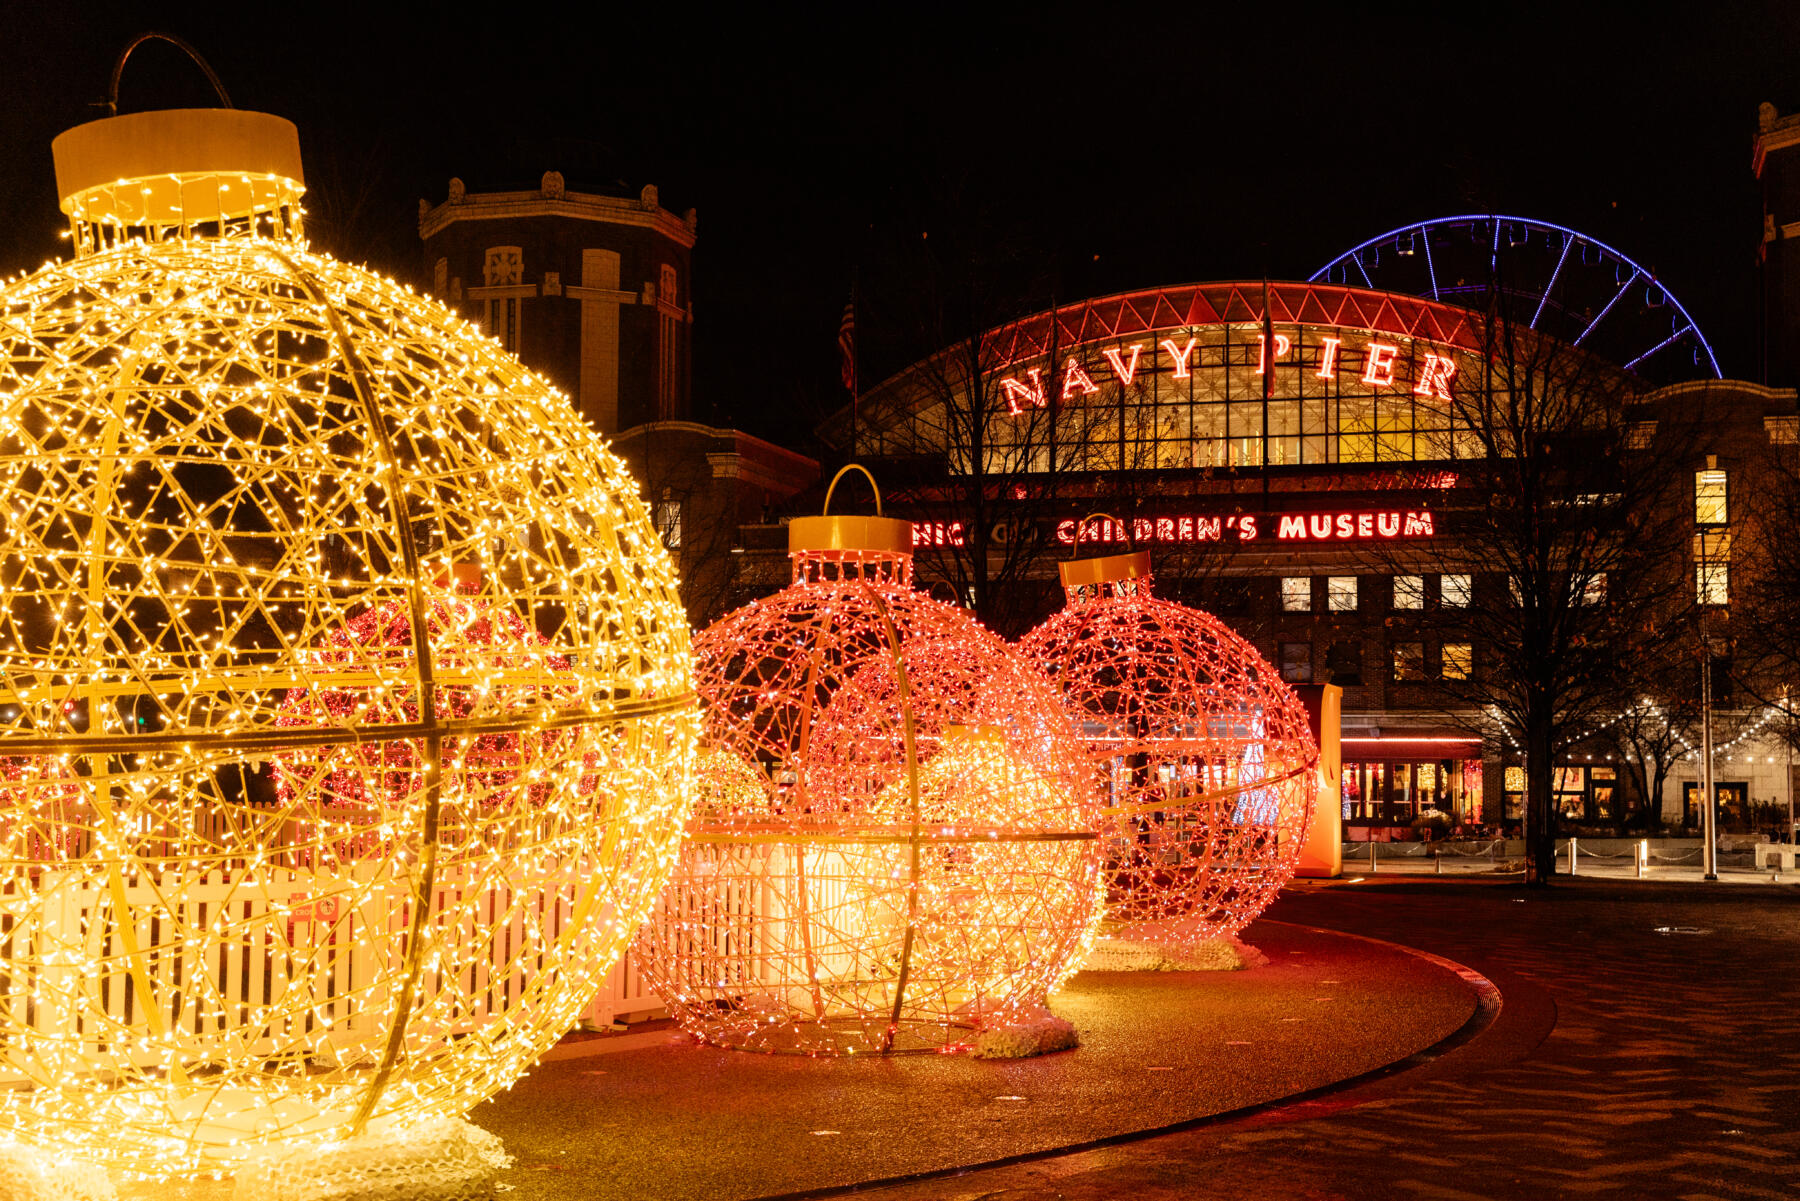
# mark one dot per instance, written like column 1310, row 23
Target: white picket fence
column 275, row 960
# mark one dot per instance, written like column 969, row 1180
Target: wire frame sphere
column 1209, row 758
column 894, row 839
column 346, row 715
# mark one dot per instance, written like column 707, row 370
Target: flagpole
column 855, row 375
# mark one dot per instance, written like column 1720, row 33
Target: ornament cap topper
column 180, row 166
column 1106, row 569
column 877, row 534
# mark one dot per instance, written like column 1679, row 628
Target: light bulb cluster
column 346, row 711
column 1210, row 762
column 894, row 840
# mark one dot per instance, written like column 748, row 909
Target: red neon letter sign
column 1380, row 370
column 1180, row 356
column 1075, row 378
column 1434, row 378
column 1328, row 348
column 1124, row 373
column 1015, row 392
column 1282, row 346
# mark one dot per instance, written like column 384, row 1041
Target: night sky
column 1114, row 147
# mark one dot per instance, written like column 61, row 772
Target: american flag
column 847, row 346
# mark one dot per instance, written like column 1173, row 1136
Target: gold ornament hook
column 849, row 532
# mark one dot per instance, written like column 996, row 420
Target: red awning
column 1357, row 749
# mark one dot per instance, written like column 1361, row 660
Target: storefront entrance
column 1734, row 805
column 1396, row 797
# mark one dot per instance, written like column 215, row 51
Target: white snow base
column 445, row 1160
column 1227, row 954
column 1019, row 1030
column 29, row 1174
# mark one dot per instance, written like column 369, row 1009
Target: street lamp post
column 1708, row 803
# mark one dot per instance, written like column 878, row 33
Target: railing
column 272, row 960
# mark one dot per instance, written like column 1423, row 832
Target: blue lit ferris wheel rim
column 1354, row 257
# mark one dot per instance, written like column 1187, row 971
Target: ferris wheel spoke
column 1668, row 341
column 1568, row 241
column 1618, row 296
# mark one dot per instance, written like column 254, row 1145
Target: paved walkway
column 654, row 1116
column 1648, row 1046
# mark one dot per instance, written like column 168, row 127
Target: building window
column 1458, row 660
column 1453, row 591
column 1639, row 435
column 1296, row 662
column 502, row 321
column 1340, row 592
column 1409, row 592
column 504, row 267
column 1593, row 592
column 440, row 276
column 1296, row 594
column 668, row 345
column 1409, row 661
column 668, row 520
column 1712, row 568
column 1344, row 662
column 1783, row 431
column 1710, row 504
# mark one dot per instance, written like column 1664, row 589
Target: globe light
column 1210, row 762
column 894, row 847
column 346, row 710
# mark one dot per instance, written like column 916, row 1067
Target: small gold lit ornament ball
column 346, row 705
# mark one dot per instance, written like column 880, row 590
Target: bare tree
column 1570, row 518
column 1652, row 735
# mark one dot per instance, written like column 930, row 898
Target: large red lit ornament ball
column 894, row 842
column 1210, row 763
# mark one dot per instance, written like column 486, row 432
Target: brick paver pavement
column 1648, row 1046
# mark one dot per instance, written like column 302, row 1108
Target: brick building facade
column 592, row 290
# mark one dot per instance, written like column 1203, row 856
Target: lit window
column 1409, row 592
column 1340, row 592
column 1783, row 431
column 1344, row 661
column 1409, row 661
column 440, row 276
column 1459, row 660
column 668, row 521
column 1515, row 779
column 1593, row 592
column 1296, row 662
column 1296, row 594
column 1712, row 568
column 1710, row 506
column 1454, row 590
column 1639, row 434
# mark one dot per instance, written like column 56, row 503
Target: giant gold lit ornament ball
column 894, row 844
column 1209, row 759
column 346, row 711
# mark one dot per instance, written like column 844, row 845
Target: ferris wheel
column 1573, row 287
